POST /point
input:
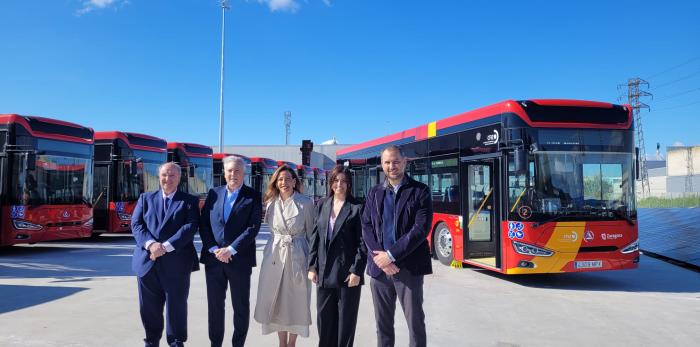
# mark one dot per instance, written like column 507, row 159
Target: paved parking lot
column 82, row 293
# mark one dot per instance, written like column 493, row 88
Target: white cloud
column 291, row 6
column 281, row 5
column 92, row 5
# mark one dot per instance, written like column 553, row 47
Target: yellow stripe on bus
column 432, row 129
column 565, row 242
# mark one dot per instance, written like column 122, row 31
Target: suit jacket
column 345, row 252
column 414, row 219
column 178, row 227
column 239, row 231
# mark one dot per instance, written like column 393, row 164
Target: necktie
column 228, row 206
column 166, row 206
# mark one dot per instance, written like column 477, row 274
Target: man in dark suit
column 230, row 222
column 395, row 223
column 164, row 223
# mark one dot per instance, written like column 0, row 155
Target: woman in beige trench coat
column 284, row 291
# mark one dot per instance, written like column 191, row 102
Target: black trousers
column 161, row 288
column 219, row 277
column 337, row 315
column 408, row 289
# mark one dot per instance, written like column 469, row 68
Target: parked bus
column 306, row 175
column 46, row 172
column 126, row 165
column 261, row 172
column 219, row 179
column 197, row 164
column 320, row 183
column 532, row 186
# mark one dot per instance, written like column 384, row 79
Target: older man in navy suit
column 164, row 223
column 230, row 222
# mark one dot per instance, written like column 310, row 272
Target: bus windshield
column 203, row 179
column 53, row 179
column 581, row 185
column 129, row 183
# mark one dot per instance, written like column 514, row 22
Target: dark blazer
column 346, row 252
column 239, row 231
column 414, row 220
column 178, row 227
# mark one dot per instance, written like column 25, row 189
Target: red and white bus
column 261, row 172
column 219, row 179
column 196, row 162
column 321, row 190
column 520, row 187
column 126, row 165
column 46, row 179
column 306, row 175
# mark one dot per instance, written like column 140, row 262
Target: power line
column 679, row 106
column 674, row 67
column 678, row 94
column 678, row 80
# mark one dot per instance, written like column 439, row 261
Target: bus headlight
column 525, row 249
column 124, row 216
column 88, row 223
column 24, row 225
column 632, row 247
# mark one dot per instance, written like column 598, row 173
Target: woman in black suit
column 337, row 261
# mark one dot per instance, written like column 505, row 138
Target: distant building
column 676, row 175
column 322, row 156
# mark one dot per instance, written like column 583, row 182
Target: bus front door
column 479, row 211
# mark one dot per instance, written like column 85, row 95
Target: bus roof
column 50, row 128
column 561, row 113
column 267, row 162
column 192, row 149
column 134, row 140
column 221, row 156
column 307, row 169
column 288, row 163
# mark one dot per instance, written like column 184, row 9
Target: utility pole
column 287, row 126
column 224, row 7
column 634, row 92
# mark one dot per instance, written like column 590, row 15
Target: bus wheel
column 442, row 243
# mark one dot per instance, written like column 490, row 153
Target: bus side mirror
column 31, row 161
column 637, row 176
column 520, row 160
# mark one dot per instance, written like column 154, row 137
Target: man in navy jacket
column 230, row 222
column 164, row 223
column 395, row 223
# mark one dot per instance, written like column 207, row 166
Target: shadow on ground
column 68, row 261
column 19, row 297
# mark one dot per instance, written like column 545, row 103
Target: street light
column 224, row 7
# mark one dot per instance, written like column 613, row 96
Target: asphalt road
column 82, row 293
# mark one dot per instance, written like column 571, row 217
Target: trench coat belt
column 288, row 240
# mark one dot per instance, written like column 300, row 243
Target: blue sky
column 354, row 69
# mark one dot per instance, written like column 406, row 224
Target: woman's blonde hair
column 272, row 190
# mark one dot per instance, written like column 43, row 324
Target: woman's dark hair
column 337, row 170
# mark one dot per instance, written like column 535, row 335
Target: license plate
column 588, row 264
